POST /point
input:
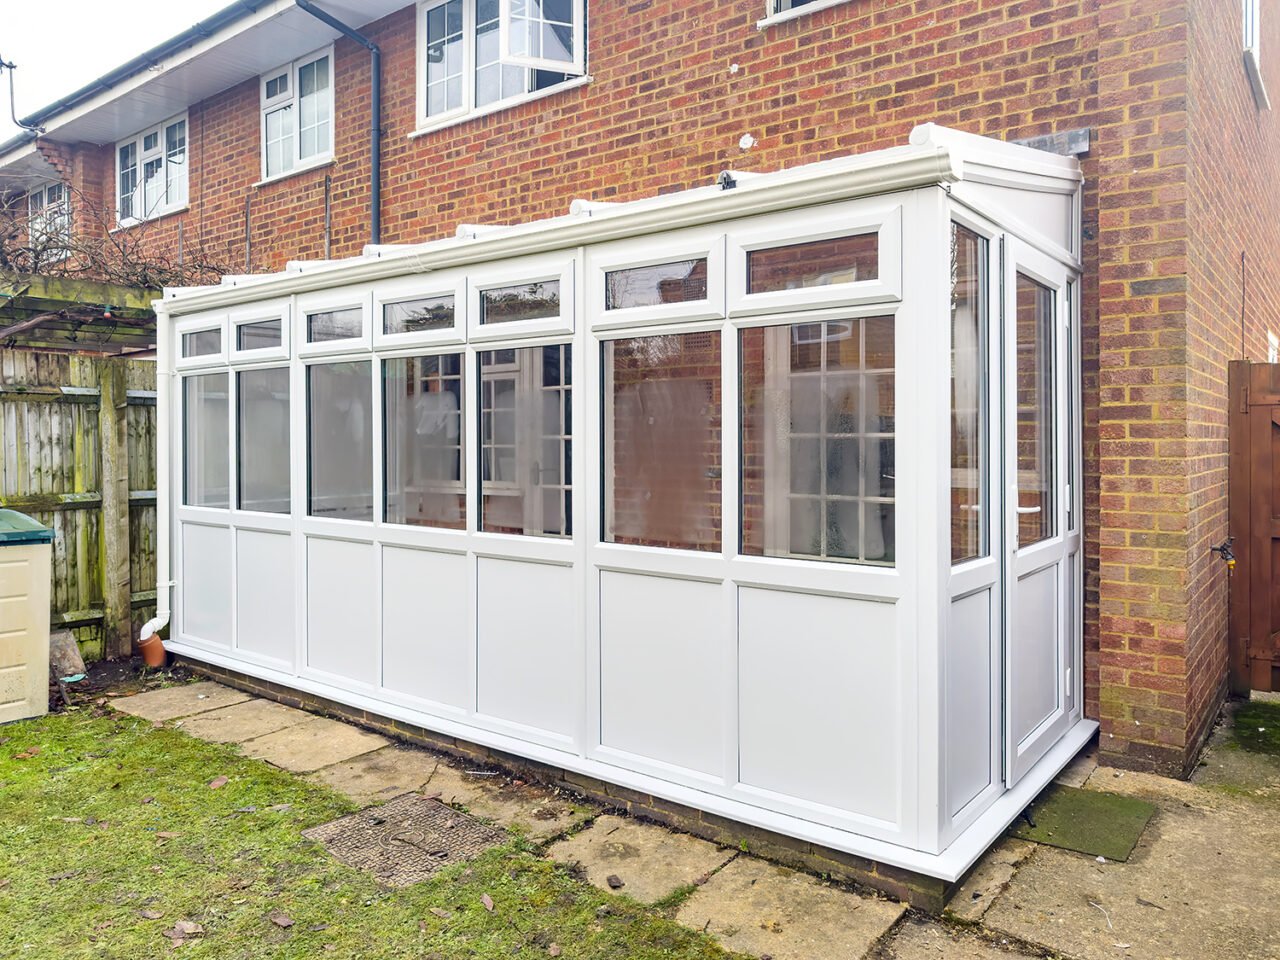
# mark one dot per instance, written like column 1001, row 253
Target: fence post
column 113, row 436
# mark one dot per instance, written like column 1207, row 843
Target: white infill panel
column 832, row 735
column 1033, row 653
column 264, row 594
column 968, row 694
column 425, row 651
column 341, row 598
column 206, row 578
column 661, row 674
column 527, row 659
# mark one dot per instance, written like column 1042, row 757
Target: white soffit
column 262, row 41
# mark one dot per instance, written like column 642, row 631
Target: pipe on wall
column 375, row 112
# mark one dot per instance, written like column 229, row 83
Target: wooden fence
column 78, row 453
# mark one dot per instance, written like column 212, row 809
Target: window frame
column 299, row 164
column 774, row 15
column 359, row 297
column 628, row 254
column 425, row 123
column 39, row 218
column 256, row 313
column 574, row 67
column 436, row 284
column 199, row 325
column 141, row 157
column 538, row 268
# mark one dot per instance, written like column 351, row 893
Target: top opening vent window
column 297, row 114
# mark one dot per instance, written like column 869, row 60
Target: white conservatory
column 763, row 497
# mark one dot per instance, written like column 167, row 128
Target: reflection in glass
column 814, row 264
column 662, row 441
column 258, row 335
column 1037, row 511
column 414, row 316
column 525, row 451
column 818, row 440
column 422, row 430
column 262, row 458
column 206, row 467
column 678, row 282
column 340, row 440
column 335, row 325
column 526, row 301
column 201, row 343
column 968, row 395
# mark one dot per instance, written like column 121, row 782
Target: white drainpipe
column 164, row 394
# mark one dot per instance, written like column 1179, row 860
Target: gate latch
column 1224, row 548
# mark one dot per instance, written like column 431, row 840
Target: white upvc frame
column 421, row 287
column 512, row 273
column 279, row 309
column 42, row 217
column 626, row 254
column 199, row 324
column 508, row 31
column 425, row 123
column 775, row 14
column 290, row 98
column 141, row 156
column 324, row 301
column 855, row 218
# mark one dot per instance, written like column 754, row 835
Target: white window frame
column 258, row 312
column 139, row 214
column 199, row 324
column 853, row 219
column 38, row 219
column 575, row 72
column 775, row 14
column 1252, row 43
column 535, row 269
column 507, row 34
column 436, row 284
column 673, row 248
column 324, row 301
column 289, row 98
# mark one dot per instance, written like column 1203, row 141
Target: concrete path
column 1202, row 884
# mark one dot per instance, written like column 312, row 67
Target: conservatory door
column 1038, row 575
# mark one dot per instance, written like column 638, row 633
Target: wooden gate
column 1254, row 444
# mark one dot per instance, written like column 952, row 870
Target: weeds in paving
column 117, row 844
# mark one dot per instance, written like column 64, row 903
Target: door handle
column 1028, row 509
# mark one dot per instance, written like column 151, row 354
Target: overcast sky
column 60, row 45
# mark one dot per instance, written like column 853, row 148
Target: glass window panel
column 340, row 440
column 444, row 57
column 524, row 438
column 817, row 452
column 677, row 282
column 424, row 462
column 814, row 264
column 201, row 343
column 1037, row 511
column 206, row 422
column 279, row 140
column 262, row 399
column 128, row 179
column 313, row 108
column 526, row 301
column 969, row 387
column 258, row 335
column 335, row 325
column 662, row 441
column 277, row 86
column 152, row 186
column 414, row 316
column 151, row 141
column 175, row 163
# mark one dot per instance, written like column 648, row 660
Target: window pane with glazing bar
column 422, row 431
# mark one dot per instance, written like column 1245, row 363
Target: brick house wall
column 1178, row 155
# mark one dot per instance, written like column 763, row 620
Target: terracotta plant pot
column 152, row 651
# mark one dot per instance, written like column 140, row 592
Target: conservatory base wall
column 925, row 881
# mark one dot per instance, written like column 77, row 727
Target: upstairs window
column 49, row 221
column 297, row 114
column 779, row 10
column 480, row 55
column 1252, row 41
column 151, row 172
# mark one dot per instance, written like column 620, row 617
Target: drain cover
column 405, row 840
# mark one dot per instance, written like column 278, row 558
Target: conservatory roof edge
column 882, row 171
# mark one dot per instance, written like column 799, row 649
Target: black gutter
column 375, row 112
column 144, row 61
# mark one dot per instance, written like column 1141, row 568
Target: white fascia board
column 1012, row 163
column 882, row 171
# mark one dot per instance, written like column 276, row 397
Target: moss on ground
column 112, row 834
column 1256, row 727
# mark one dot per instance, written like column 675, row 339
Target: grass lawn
column 110, row 835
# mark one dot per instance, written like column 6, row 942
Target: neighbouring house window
column 776, row 7
column 424, row 450
column 151, row 172
column 258, row 335
column 814, row 263
column 1273, row 347
column 525, row 448
column 680, row 281
column 969, row 389
column 202, row 343
column 1037, row 408
column 340, row 440
column 462, row 67
column 335, row 325
column 206, row 469
column 818, row 440
column 262, row 439
column 297, row 114
column 49, row 222
column 1252, row 31
column 662, row 449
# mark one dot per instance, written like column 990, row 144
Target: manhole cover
column 405, row 840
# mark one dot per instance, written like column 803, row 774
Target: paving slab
column 312, row 744
column 1203, row 883
column 538, row 812
column 169, row 703
column 651, row 861
column 1075, row 773
column 989, row 878
column 919, row 939
column 756, row 907
column 243, row 721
